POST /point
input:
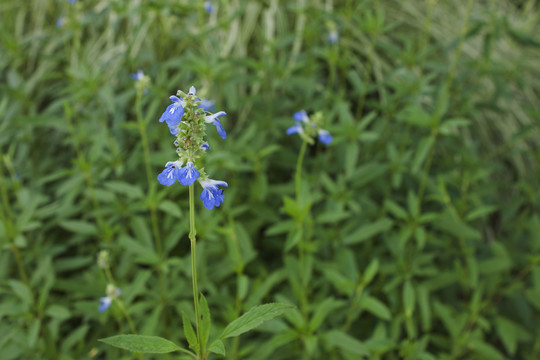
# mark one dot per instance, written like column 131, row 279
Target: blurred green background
column 422, row 232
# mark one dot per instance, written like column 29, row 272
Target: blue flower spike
column 171, row 173
column 112, row 293
column 309, row 127
column 212, row 196
column 212, row 119
column 187, row 118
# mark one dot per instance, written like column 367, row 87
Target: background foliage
column 422, row 226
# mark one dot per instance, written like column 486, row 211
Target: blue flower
column 333, row 36
column 112, row 293
column 301, row 116
column 212, row 119
column 173, row 114
column 105, row 303
column 207, row 105
column 72, row 1
column 139, row 75
column 325, row 137
column 188, row 174
column 296, row 128
column 171, row 173
column 208, row 7
column 212, row 195
column 205, row 146
column 60, row 22
column 192, row 91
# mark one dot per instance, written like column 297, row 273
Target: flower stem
column 151, row 182
column 298, row 176
column 192, row 234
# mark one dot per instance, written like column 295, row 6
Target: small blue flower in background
column 208, row 7
column 301, row 116
column 296, row 128
column 173, row 114
column 308, row 127
column 325, row 137
column 188, row 174
column 171, row 173
column 60, row 22
column 333, row 36
column 205, row 146
column 212, row 196
column 211, row 119
column 139, row 75
column 71, row 1
column 207, row 105
column 112, row 293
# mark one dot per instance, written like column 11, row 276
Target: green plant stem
column 298, row 175
column 192, row 239
column 298, row 189
column 149, row 178
column 20, row 265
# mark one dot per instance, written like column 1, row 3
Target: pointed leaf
column 217, row 347
column 253, row 318
column 205, row 322
column 142, row 344
column 189, row 333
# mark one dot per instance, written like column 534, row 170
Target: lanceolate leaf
column 253, row 318
column 143, row 344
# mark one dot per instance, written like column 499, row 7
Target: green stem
column 192, row 239
column 298, row 175
column 147, row 166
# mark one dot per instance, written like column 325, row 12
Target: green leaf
column 415, row 115
column 217, row 347
column 253, row 318
column 170, row 208
column 371, row 271
column 142, row 344
column 190, row 333
column 368, row 231
column 408, row 298
column 485, row 350
column 421, row 153
column 345, row 342
column 322, row 310
column 79, row 227
column 205, row 322
column 376, row 307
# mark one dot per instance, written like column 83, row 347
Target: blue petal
column 169, row 175
column 220, row 129
column 294, row 129
column 105, row 303
column 325, row 137
column 212, row 197
column 301, row 116
column 188, row 174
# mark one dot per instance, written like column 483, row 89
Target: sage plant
column 186, row 119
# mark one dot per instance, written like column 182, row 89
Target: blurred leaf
column 142, row 344
column 376, row 307
column 368, row 231
column 253, row 318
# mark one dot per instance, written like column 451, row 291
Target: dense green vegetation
column 414, row 235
